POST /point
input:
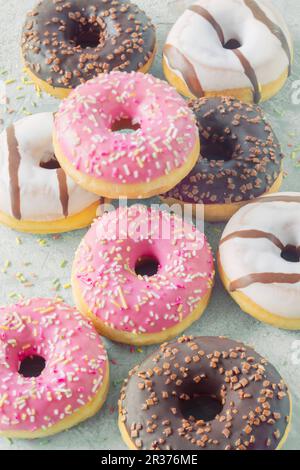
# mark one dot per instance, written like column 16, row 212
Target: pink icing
column 164, row 141
column 76, row 363
column 105, row 269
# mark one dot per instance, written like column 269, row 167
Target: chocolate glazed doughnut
column 240, row 158
column 252, row 403
column 66, row 43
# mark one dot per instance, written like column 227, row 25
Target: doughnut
column 66, row 43
column 263, row 238
column 35, row 194
column 142, row 275
column 204, row 393
column 159, row 149
column 240, row 159
column 240, row 48
column 54, row 369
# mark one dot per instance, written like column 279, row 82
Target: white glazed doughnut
column 35, row 193
column 237, row 47
column 259, row 259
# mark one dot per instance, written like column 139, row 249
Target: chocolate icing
column 207, row 16
column 260, row 15
column 63, row 191
column 254, row 398
column 56, row 33
column 248, row 69
column 177, row 61
column 241, row 157
column 14, row 160
column 264, row 278
column 254, row 234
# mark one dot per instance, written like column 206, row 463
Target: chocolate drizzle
column 177, row 61
column 14, row 160
column 248, row 69
column 255, row 405
column 207, row 16
column 250, row 73
column 63, row 191
column 240, row 155
column 254, row 234
column 264, row 278
column 260, row 15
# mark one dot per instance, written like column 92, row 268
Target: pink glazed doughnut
column 53, row 369
column 160, row 147
column 142, row 275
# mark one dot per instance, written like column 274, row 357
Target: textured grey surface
column 39, row 258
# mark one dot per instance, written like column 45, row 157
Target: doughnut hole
column 87, row 33
column 32, row 366
column 51, row 164
column 201, row 401
column 291, row 254
column 232, row 44
column 201, row 407
column 217, row 151
column 125, row 125
column 147, row 266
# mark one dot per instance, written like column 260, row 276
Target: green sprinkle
column 278, row 111
column 25, row 81
column 7, row 265
column 12, row 295
column 295, row 152
column 56, row 284
column 64, row 263
column 21, row 278
column 44, row 442
column 10, row 81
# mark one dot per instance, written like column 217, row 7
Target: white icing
column 240, row 257
column 39, row 187
column 218, row 68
